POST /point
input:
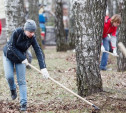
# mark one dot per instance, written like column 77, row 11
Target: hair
column 116, row 18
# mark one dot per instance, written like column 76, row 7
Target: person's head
column 116, row 20
column 30, row 28
column 65, row 10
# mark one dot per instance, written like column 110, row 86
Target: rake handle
column 65, row 87
column 111, row 53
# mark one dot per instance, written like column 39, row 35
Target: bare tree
column 71, row 38
column 89, row 19
column 121, row 60
column 113, row 7
column 33, row 14
column 14, row 15
column 61, row 44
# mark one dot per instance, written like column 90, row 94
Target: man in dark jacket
column 15, row 55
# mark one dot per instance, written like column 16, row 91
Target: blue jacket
column 42, row 18
column 15, row 49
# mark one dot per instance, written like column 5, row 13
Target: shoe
column 23, row 107
column 28, row 67
column 103, row 69
column 13, row 94
column 108, row 69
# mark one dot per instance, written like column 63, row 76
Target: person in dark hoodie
column 14, row 56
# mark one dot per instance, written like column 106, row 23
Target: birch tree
column 71, row 38
column 14, row 15
column 121, row 60
column 61, row 44
column 33, row 14
column 89, row 19
column 113, row 7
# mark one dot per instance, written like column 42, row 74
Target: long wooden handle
column 64, row 87
column 122, row 48
column 111, row 53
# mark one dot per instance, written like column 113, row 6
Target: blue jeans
column 20, row 72
column 66, row 33
column 105, row 55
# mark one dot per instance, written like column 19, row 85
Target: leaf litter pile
column 46, row 97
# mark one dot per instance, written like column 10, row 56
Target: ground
column 44, row 96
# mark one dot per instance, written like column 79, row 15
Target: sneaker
column 23, row 107
column 103, row 69
column 28, row 67
column 108, row 69
column 13, row 94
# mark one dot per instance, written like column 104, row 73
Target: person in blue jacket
column 42, row 21
column 14, row 55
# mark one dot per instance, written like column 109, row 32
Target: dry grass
column 44, row 96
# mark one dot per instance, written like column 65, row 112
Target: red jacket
column 108, row 28
column 0, row 27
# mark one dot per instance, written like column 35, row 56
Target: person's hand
column 109, row 36
column 102, row 48
column 114, row 52
column 25, row 62
column 45, row 73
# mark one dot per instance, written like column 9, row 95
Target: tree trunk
column 110, row 7
column 121, row 60
column 113, row 7
column 61, row 44
column 33, row 14
column 14, row 15
column 89, row 19
column 117, row 2
column 71, row 38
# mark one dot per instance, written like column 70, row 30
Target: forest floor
column 44, row 96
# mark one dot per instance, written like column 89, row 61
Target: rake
column 95, row 107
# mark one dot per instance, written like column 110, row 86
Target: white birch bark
column 121, row 60
column 14, row 15
column 89, row 17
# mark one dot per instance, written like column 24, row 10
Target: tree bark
column 33, row 14
column 121, row 60
column 61, row 44
column 113, row 7
column 89, row 19
column 14, row 15
column 71, row 38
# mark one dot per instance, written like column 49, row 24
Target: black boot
column 13, row 94
column 23, row 107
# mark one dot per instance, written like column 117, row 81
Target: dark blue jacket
column 15, row 49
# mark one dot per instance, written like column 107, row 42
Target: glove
column 25, row 62
column 109, row 36
column 114, row 52
column 45, row 73
column 102, row 48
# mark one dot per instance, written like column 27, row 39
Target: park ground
column 44, row 96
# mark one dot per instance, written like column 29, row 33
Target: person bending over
column 14, row 56
column 109, row 36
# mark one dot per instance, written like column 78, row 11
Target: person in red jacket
column 0, row 27
column 109, row 36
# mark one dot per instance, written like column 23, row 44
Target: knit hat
column 30, row 25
